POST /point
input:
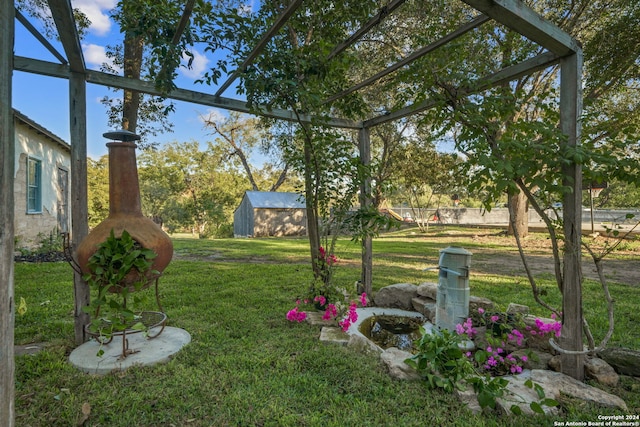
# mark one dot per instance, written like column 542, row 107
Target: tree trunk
column 133, row 48
column 313, row 228
column 520, row 211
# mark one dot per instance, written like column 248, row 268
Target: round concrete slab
column 147, row 352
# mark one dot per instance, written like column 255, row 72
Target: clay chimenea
column 125, row 212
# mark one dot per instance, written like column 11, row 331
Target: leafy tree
column 188, row 189
column 39, row 9
column 429, row 178
column 293, row 73
column 240, row 137
column 97, row 189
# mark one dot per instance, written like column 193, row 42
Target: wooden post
column 364, row 146
column 7, row 173
column 79, row 210
column 570, row 110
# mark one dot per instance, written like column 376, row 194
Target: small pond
column 389, row 327
column 392, row 331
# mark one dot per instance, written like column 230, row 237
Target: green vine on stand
column 119, row 267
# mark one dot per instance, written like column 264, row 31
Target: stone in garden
column 555, row 384
column 468, row 398
column 554, row 363
column 363, row 345
column 393, row 359
column 518, row 394
column 428, row 290
column 333, row 334
column 601, row 371
column 478, row 302
column 517, row 309
column 623, row 360
column 396, row 296
column 315, row 318
column 425, row 306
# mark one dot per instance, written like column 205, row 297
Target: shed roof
column 275, row 200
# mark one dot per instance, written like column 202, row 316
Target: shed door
column 63, row 200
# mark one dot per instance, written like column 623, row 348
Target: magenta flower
column 480, row 310
column 495, row 318
column 320, row 299
column 330, row 313
column 296, row 316
column 363, row 299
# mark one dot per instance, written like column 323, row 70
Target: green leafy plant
column 119, row 267
column 444, row 364
column 441, row 360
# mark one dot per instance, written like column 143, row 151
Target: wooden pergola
column 558, row 48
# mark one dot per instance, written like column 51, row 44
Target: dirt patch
column 539, row 258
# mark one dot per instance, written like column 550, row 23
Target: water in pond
column 392, row 331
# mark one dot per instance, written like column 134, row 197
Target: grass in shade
column 248, row 366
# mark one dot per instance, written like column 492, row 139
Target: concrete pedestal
column 147, row 352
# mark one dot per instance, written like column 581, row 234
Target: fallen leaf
column 86, row 411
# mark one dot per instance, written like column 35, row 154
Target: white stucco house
column 42, row 180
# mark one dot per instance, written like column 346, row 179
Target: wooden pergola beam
column 476, row 22
column 507, row 74
column 43, row 41
column 56, row 70
column 7, row 175
column 62, row 14
column 382, row 13
column 517, row 16
column 262, row 43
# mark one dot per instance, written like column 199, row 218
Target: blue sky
column 45, row 99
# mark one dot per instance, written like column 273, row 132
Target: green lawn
column 247, row 365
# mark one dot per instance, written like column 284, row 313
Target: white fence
column 500, row 216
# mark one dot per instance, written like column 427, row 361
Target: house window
column 34, row 186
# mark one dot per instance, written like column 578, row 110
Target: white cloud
column 95, row 56
column 212, row 115
column 98, row 13
column 198, row 66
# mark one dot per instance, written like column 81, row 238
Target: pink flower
column 320, row 299
column 480, row 310
column 363, row 299
column 296, row 316
column 330, row 313
column 489, row 349
column 495, row 318
column 322, row 252
column 524, row 358
column 345, row 323
column 459, row 329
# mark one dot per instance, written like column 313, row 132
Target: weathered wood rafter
column 474, row 23
column 262, row 43
column 382, row 13
column 65, row 23
column 517, row 16
column 43, row 41
column 507, row 74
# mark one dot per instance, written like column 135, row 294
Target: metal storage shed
column 270, row 213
